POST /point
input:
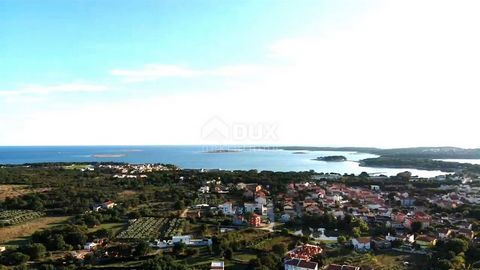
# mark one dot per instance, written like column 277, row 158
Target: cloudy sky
column 356, row 73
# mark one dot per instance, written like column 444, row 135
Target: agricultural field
column 143, row 228
column 13, row 217
column 174, row 227
column 151, row 228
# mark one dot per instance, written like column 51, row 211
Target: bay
column 201, row 157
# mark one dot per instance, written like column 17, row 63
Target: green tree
column 141, row 249
column 35, row 251
column 228, row 254
column 17, row 258
column 341, row 239
column 457, row 245
column 56, row 242
column 280, row 249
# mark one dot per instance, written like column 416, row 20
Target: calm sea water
column 198, row 157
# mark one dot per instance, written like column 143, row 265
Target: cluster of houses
column 133, row 171
column 255, row 206
column 376, row 208
column 456, row 196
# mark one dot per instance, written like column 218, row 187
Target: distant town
column 156, row 216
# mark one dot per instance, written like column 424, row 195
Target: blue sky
column 180, row 64
column 51, row 41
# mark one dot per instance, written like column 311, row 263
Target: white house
column 255, row 207
column 226, row 208
column 181, row 239
column 361, row 243
column 108, row 204
column 410, row 238
column 2, row 249
column 90, row 246
column 299, row 264
column 261, row 200
column 217, row 265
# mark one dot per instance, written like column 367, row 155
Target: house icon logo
column 215, row 130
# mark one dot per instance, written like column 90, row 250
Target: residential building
column 217, row 265
column 226, row 208
column 304, row 252
column 425, row 241
column 255, row 207
column 361, row 243
column 255, row 220
column 299, row 264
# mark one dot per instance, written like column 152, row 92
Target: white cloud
column 405, row 74
column 30, row 90
column 159, row 71
column 153, row 72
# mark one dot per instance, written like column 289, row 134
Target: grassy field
column 115, row 227
column 14, row 235
column 267, row 244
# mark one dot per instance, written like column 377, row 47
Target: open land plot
column 16, row 234
column 12, row 191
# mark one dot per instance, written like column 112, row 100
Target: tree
column 356, row 232
column 457, row 245
column 76, row 238
column 47, row 267
column 179, row 248
column 341, row 239
column 443, row 264
column 179, row 205
column 56, row 242
column 416, row 226
column 228, row 254
column 17, row 258
column 35, row 251
column 280, row 249
column 141, row 249
column 103, row 233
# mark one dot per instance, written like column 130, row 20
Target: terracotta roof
column 364, row 240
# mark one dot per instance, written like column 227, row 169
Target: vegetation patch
column 13, row 217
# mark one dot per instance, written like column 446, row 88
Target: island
column 109, row 155
column 221, row 151
column 331, row 158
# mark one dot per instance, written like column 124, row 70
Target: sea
column 202, row 157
